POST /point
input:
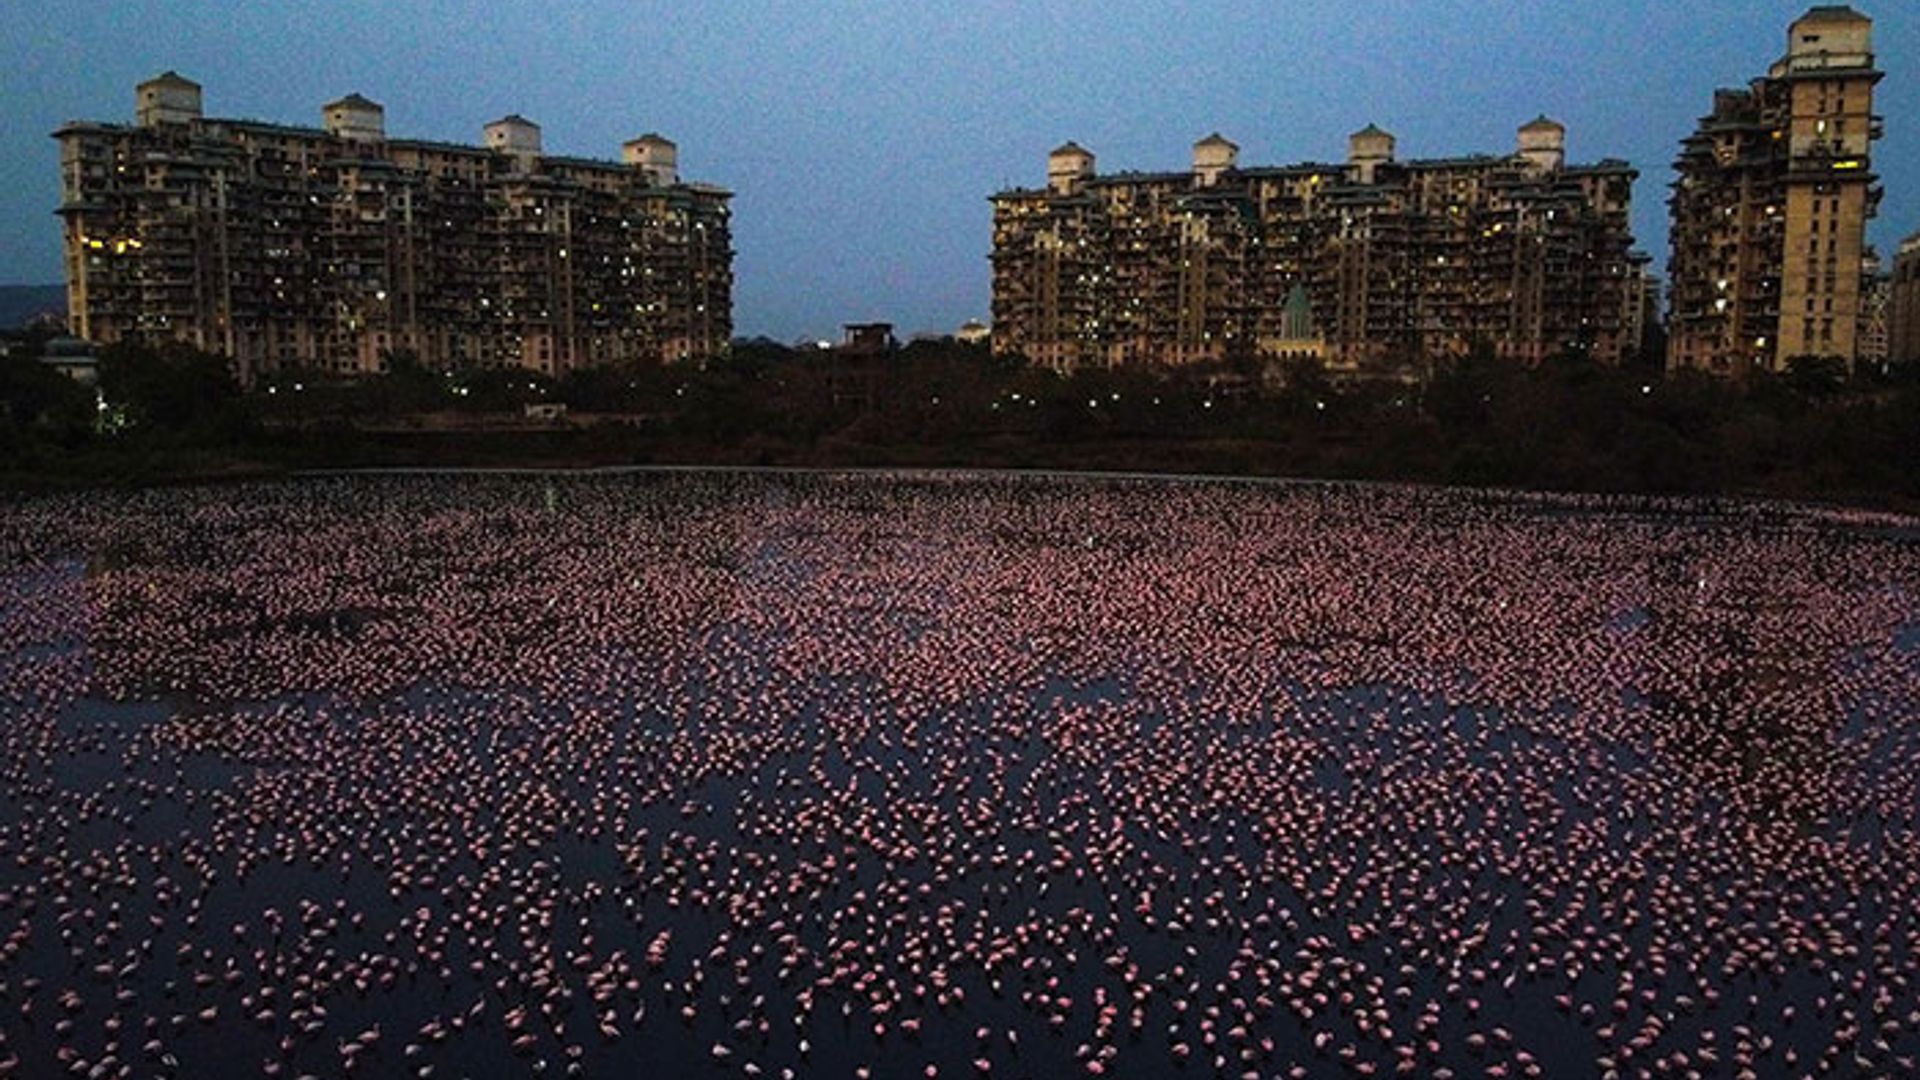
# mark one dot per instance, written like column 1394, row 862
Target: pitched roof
column 171, row 78
column 1833, row 13
column 1071, row 147
column 1372, row 129
column 353, row 101
column 515, row 118
column 1543, row 122
column 1216, row 139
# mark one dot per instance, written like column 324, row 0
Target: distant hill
column 19, row 303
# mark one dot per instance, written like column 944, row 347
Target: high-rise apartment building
column 333, row 248
column 1642, row 318
column 1903, row 305
column 1876, row 301
column 1377, row 263
column 1771, row 206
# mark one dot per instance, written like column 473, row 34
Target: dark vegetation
column 173, row 414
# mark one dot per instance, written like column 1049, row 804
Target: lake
column 742, row 774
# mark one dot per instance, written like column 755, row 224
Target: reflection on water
column 644, row 776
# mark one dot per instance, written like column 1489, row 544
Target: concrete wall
column 355, row 122
column 516, row 137
column 166, row 101
column 1544, row 145
column 657, row 159
column 1068, row 169
column 1903, row 307
column 1842, row 38
column 1366, row 152
column 1212, row 157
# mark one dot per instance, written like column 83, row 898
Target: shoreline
column 1888, row 512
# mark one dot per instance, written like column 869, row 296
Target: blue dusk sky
column 863, row 137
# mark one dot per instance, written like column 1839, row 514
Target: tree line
column 1567, row 424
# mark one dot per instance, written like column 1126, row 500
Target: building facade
column 1374, row 264
column 334, row 248
column 1903, row 305
column 1771, row 207
column 1876, row 303
column 1642, row 318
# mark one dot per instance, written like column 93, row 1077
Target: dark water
column 1315, row 782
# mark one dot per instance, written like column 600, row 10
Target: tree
column 41, row 405
column 173, row 391
column 1815, row 377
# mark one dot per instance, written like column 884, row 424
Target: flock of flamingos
column 781, row 776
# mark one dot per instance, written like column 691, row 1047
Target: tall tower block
column 1775, row 188
column 1828, row 77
